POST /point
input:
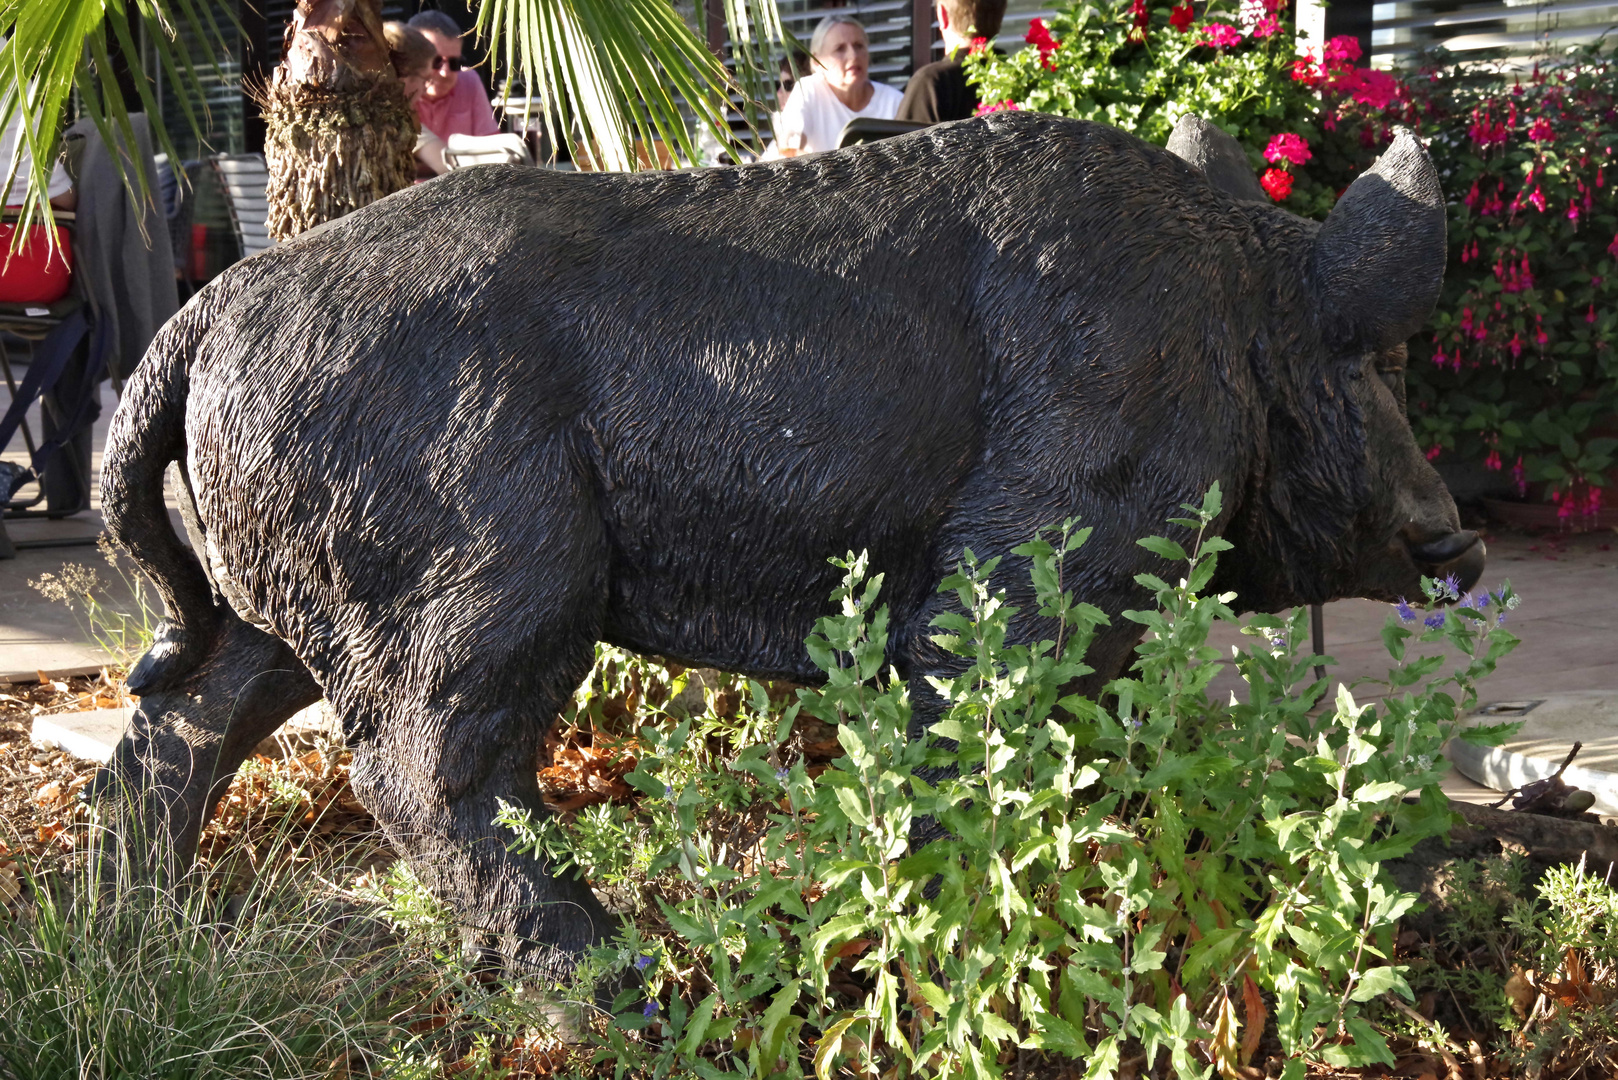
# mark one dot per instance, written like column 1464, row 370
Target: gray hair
column 818, row 40
column 437, row 22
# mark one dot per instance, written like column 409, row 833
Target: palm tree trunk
column 339, row 132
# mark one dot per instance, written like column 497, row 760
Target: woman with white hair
column 835, row 92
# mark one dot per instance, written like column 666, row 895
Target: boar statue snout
column 1461, row 554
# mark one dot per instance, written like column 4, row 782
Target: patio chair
column 461, row 151
column 48, row 335
column 243, row 177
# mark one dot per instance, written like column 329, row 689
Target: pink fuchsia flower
column 999, row 106
column 1287, row 147
column 1520, row 475
column 1342, row 51
column 1538, row 199
column 1277, row 183
column 1181, row 16
column 1612, row 248
column 1433, row 452
column 1220, row 36
column 1540, row 131
column 1492, row 461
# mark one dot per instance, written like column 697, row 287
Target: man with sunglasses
column 453, row 101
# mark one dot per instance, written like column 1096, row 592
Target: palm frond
column 615, row 73
column 47, row 49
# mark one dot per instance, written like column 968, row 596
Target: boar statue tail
column 148, row 432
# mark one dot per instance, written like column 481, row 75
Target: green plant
column 1309, row 125
column 1570, row 946
column 128, row 979
column 1518, row 372
column 1118, row 881
column 122, row 628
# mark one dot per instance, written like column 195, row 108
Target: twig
column 1441, row 1044
column 1557, row 775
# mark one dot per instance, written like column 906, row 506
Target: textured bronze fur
column 441, row 447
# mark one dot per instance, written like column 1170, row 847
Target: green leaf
column 1162, row 546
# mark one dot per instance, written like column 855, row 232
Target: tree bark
column 339, row 132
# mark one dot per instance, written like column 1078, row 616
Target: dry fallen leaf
column 10, row 889
column 1520, row 992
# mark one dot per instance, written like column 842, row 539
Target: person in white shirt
column 835, row 92
column 60, row 189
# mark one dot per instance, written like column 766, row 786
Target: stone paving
column 1568, row 619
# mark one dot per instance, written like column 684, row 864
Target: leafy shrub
column 1123, row 881
column 1518, row 372
column 1309, row 125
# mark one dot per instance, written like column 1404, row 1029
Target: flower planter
column 1543, row 515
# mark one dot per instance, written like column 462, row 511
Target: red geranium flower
column 1304, row 71
column 1287, row 147
column 1342, row 51
column 1277, row 183
column 1221, row 36
column 1181, row 17
column 1039, row 36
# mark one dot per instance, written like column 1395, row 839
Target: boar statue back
column 431, row 453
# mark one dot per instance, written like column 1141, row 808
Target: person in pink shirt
column 454, row 101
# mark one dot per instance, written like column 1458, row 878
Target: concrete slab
column 88, row 735
column 1550, row 728
column 92, row 735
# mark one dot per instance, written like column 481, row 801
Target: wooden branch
column 1550, row 839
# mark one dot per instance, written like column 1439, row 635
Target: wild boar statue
column 431, row 453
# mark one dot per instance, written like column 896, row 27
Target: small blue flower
column 668, row 791
column 650, row 1010
column 781, row 776
column 1500, row 619
column 1452, row 586
column 642, row 962
column 1435, row 620
column 1405, row 611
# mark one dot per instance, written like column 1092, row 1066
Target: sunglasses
column 451, row 62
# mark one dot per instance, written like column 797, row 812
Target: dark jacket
column 939, row 92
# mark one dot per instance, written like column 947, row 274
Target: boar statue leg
column 455, row 728
column 185, row 743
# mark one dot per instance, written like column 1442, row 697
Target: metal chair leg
column 1317, row 629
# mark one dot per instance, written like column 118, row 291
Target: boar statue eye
column 1390, row 366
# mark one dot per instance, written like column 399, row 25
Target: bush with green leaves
column 1119, row 880
column 1309, row 125
column 1518, row 372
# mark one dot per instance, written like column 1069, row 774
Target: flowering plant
column 1518, row 372
column 1309, row 125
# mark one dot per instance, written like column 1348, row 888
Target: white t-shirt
column 815, row 111
column 59, row 184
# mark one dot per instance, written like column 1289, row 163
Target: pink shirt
column 465, row 112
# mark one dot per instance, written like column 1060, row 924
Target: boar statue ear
column 1379, row 257
column 1217, row 156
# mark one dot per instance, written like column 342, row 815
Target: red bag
column 35, row 274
